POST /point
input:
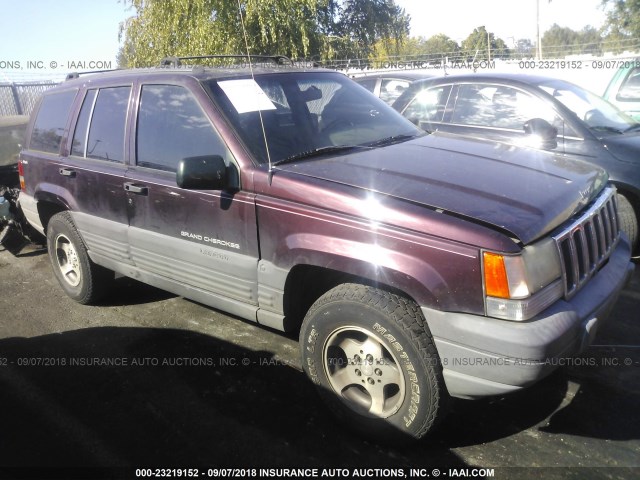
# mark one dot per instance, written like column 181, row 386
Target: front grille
column 585, row 245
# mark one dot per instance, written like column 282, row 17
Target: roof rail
column 177, row 61
column 73, row 75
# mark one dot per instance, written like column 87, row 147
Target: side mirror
column 595, row 117
column 543, row 132
column 206, row 172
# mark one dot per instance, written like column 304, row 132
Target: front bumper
column 483, row 356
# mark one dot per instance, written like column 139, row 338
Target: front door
column 200, row 244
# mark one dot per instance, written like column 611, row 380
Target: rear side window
column 82, row 128
column 630, row 89
column 392, row 88
column 369, row 83
column 172, row 126
column 51, row 121
column 428, row 105
column 106, row 133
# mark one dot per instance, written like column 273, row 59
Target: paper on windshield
column 246, row 95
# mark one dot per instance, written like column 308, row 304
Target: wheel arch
column 307, row 282
column 50, row 203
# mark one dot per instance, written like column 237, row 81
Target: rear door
column 94, row 169
column 202, row 244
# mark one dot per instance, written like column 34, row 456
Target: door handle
column 137, row 189
column 67, row 172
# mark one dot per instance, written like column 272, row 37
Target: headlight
column 518, row 287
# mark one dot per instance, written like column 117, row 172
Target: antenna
column 264, row 133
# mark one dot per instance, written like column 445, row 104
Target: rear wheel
column 628, row 221
column 79, row 277
column 372, row 357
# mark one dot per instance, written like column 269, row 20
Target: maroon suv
column 416, row 267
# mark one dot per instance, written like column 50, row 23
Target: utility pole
column 539, row 42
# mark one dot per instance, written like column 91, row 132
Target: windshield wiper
column 391, row 140
column 317, row 152
column 633, row 127
column 606, row 128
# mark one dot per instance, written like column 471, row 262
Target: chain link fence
column 20, row 98
column 624, row 48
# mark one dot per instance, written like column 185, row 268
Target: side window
column 500, row 106
column 172, row 126
column 390, row 89
column 369, row 83
column 630, row 89
column 50, row 121
column 79, row 144
column 428, row 105
column 106, row 133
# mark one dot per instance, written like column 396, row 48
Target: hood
column 625, row 147
column 526, row 192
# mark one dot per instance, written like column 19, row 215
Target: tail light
column 23, row 186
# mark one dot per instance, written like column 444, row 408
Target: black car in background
column 388, row 86
column 540, row 112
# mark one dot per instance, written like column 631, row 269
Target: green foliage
column 441, row 44
column 296, row 28
column 559, row 41
column 622, row 27
column 202, row 27
column 623, row 18
column 435, row 47
column 174, row 27
column 480, row 45
column 366, row 22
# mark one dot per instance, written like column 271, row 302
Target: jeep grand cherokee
column 415, row 267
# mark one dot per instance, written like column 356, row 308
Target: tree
column 435, row 48
column 560, row 41
column 476, row 45
column 200, row 27
column 322, row 29
column 524, row 48
column 441, row 44
column 623, row 18
column 368, row 22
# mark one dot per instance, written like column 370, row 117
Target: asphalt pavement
column 150, row 380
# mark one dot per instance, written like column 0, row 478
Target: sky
column 508, row 19
column 50, row 34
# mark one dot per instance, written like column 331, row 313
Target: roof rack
column 177, row 61
column 73, row 75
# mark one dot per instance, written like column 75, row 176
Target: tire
column 628, row 221
column 372, row 357
column 79, row 277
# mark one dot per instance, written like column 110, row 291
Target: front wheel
column 79, row 277
column 372, row 357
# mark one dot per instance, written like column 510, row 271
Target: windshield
column 306, row 112
column 597, row 113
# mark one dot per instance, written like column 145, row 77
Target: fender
column 51, row 193
column 382, row 260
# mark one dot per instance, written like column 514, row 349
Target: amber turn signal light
column 495, row 275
